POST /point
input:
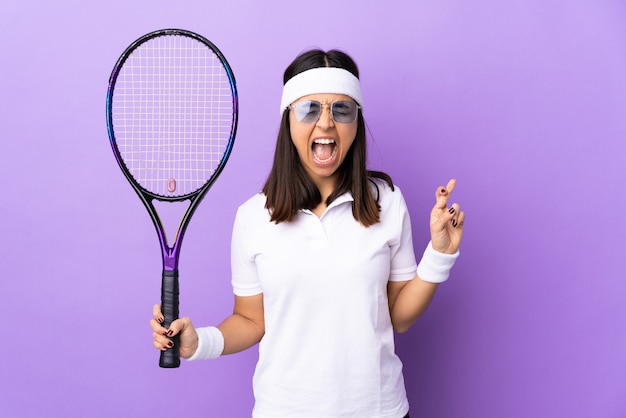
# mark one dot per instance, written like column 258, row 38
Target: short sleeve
column 403, row 264
column 245, row 279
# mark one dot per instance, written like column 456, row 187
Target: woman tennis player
column 323, row 267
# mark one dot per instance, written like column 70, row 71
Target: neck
column 326, row 186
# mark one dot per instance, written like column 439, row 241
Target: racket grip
column 170, row 358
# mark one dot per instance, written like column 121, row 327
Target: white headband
column 321, row 80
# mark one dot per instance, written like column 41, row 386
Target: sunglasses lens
column 344, row 111
column 308, row 111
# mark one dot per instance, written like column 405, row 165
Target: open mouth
column 324, row 150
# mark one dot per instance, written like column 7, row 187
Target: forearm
column 246, row 326
column 240, row 333
column 236, row 333
column 411, row 299
column 241, row 330
column 408, row 300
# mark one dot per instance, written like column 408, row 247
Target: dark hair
column 288, row 187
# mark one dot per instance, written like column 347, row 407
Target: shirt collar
column 346, row 197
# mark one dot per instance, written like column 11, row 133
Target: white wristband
column 210, row 344
column 434, row 266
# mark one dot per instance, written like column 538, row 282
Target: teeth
column 327, row 159
column 324, row 141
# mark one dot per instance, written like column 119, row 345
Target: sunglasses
column 309, row 111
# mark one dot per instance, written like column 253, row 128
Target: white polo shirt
column 328, row 348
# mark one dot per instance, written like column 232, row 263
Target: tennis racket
column 171, row 116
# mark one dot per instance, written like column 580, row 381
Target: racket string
column 172, row 114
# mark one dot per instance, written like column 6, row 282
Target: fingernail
column 451, row 210
column 161, row 319
column 443, row 191
column 170, row 344
column 169, row 333
column 454, row 223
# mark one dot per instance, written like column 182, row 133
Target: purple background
column 524, row 102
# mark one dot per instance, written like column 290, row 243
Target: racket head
column 172, row 111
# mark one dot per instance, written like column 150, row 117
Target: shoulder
column 254, row 201
column 384, row 194
column 253, row 209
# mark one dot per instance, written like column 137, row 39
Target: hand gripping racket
column 171, row 116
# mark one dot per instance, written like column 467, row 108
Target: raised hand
column 446, row 222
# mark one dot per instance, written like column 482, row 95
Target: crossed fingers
column 453, row 214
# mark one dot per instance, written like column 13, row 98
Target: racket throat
column 169, row 219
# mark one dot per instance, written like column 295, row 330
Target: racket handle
column 169, row 308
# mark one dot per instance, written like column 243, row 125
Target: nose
column 326, row 120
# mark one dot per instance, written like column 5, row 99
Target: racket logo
column 171, row 185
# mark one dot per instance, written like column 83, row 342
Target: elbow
column 401, row 328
